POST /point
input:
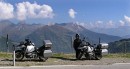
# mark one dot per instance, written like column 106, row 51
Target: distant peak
column 5, row 21
column 22, row 22
column 51, row 24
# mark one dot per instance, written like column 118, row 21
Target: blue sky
column 85, row 10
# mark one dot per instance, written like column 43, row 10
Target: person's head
column 27, row 40
column 77, row 36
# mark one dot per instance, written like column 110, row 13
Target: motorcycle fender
column 47, row 53
column 19, row 51
column 89, row 49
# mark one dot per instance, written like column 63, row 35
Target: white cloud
column 110, row 24
column 122, row 23
column 6, row 10
column 21, row 11
column 29, row 10
column 72, row 13
column 127, row 19
column 99, row 24
column 99, row 21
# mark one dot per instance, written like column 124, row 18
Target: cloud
column 6, row 11
column 99, row 22
column 122, row 23
column 33, row 10
column 110, row 23
column 107, row 24
column 127, row 19
column 21, row 11
column 72, row 13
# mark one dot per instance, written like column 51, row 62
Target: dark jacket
column 76, row 43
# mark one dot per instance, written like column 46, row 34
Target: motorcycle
column 89, row 51
column 30, row 51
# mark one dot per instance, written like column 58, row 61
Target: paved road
column 114, row 66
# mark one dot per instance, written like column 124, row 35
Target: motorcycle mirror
column 94, row 44
column 84, row 38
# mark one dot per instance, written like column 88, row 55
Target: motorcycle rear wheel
column 19, row 55
column 98, row 57
column 43, row 58
column 87, row 56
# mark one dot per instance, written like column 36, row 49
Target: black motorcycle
column 89, row 51
column 30, row 51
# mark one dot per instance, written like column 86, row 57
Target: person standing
column 76, row 44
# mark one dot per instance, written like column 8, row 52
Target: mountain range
column 122, row 31
column 60, row 34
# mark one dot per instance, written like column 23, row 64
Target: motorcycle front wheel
column 19, row 55
column 80, row 54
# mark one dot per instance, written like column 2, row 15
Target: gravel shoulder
column 65, row 61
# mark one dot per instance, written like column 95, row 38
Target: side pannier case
column 47, row 51
column 104, row 47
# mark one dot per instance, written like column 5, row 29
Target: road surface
column 113, row 66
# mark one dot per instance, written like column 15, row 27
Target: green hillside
column 121, row 46
column 60, row 37
column 3, row 46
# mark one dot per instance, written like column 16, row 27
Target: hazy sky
column 60, row 11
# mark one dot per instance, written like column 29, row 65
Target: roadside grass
column 4, row 55
column 117, row 55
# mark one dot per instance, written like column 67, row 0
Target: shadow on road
column 69, row 59
column 6, row 60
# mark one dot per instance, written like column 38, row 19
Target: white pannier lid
column 47, row 42
column 104, row 45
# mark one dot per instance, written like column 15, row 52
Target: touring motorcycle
column 30, row 51
column 91, row 52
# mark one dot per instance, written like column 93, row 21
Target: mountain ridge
column 61, row 35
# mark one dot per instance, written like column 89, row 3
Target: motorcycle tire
column 19, row 56
column 80, row 55
column 87, row 56
column 90, row 56
column 43, row 58
column 98, row 54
